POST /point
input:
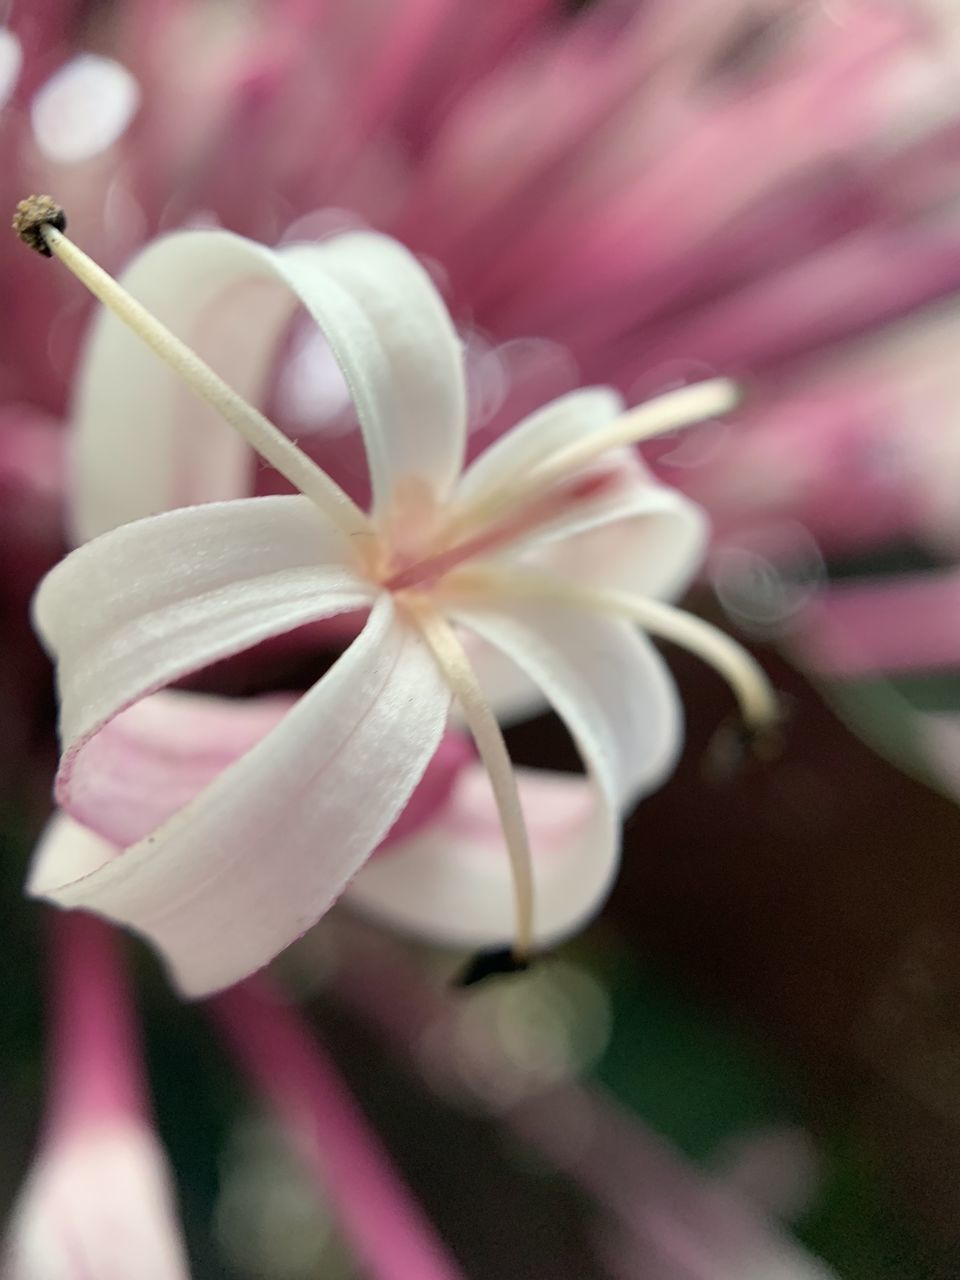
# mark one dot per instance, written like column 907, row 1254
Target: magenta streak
column 902, row 624
column 95, row 1068
column 389, row 1231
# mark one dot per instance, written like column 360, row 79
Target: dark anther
column 32, row 215
column 736, row 744
column 487, row 964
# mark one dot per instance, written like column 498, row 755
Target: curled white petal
column 248, row 865
column 449, row 881
column 144, row 444
column 176, row 592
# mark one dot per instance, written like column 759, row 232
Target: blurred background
column 750, row 1066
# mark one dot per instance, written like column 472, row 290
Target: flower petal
column 142, row 441
column 399, row 352
column 177, row 592
column 637, row 536
column 634, row 535
column 451, row 881
column 153, row 758
column 551, row 428
column 231, row 299
column 261, row 854
column 603, row 678
column 98, row 1203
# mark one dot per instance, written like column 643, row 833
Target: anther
column 489, row 964
column 30, row 218
column 735, row 744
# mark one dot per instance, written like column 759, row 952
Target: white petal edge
column 264, row 851
column 144, row 444
column 449, row 881
column 179, row 591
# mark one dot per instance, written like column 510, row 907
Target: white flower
column 539, row 558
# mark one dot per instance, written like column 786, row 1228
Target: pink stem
column 95, row 1051
column 388, row 1229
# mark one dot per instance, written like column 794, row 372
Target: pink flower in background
column 97, row 1200
column 639, row 196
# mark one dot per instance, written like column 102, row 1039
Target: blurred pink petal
column 885, row 625
column 97, row 1200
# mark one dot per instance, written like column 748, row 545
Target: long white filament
column 259, row 432
column 672, row 411
column 756, row 697
column 482, row 723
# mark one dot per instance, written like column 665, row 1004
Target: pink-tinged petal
column 450, row 880
column 612, row 690
column 632, row 535
column 179, row 591
column 98, row 1204
column 267, row 847
column 143, row 445
column 883, row 626
column 455, row 753
column 153, row 758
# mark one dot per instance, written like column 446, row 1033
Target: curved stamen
column 759, row 705
column 482, row 723
column 259, row 432
column 683, row 407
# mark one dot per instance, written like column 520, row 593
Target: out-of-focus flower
column 632, row 195
column 97, row 1201
column 546, row 549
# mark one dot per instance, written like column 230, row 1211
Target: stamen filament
column 759, row 705
column 259, row 432
column 683, row 407
column 482, row 723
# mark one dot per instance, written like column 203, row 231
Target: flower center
column 402, row 568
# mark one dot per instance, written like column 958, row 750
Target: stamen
column 670, row 412
column 259, row 432
column 758, row 701
column 482, row 723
